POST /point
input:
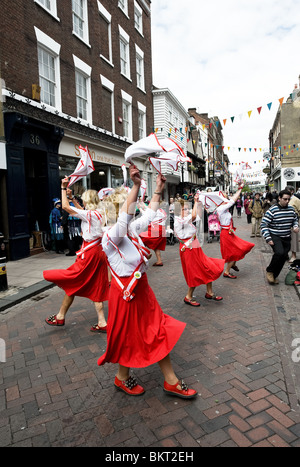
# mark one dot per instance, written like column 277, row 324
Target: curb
column 24, row 294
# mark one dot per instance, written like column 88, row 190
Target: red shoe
column 213, row 297
column 191, row 302
column 230, row 276
column 184, row 392
column 157, row 264
column 97, row 328
column 52, row 321
column 129, row 386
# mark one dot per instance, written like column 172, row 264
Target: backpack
column 291, row 277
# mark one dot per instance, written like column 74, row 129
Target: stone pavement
column 237, row 353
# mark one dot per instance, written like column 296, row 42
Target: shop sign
column 99, row 157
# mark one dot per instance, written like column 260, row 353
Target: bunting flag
column 166, row 150
column 84, row 167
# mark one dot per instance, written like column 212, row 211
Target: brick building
column 73, row 72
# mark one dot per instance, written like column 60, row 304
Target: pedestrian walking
column 268, row 202
column 87, row 277
column 248, row 213
column 256, row 209
column 239, row 206
column 197, row 268
column 276, row 227
column 233, row 248
column 56, row 228
column 295, row 203
column 139, row 334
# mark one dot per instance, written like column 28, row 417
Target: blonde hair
column 91, row 199
column 112, row 204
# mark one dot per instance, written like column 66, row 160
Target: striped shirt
column 278, row 221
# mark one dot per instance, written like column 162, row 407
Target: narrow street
column 237, row 353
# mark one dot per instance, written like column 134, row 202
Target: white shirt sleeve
column 139, row 225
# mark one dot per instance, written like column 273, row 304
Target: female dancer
column 232, row 247
column 138, row 332
column 87, row 277
column 197, row 267
column 155, row 238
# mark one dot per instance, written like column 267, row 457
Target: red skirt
column 233, row 248
column 155, row 238
column 87, row 277
column 198, row 268
column 138, row 332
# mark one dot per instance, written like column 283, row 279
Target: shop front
column 107, row 160
column 31, row 180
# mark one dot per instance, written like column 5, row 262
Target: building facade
column 73, row 73
column 216, row 169
column 170, row 121
column 284, row 141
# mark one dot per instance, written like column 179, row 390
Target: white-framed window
column 127, row 115
column 138, row 17
column 176, row 119
column 123, row 4
column 50, row 6
column 124, row 53
column 141, row 120
column 49, row 69
column 140, row 75
column 170, row 113
column 106, row 32
column 80, row 20
column 109, row 87
column 83, row 89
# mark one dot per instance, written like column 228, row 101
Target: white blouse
column 91, row 223
column 183, row 227
column 224, row 214
column 122, row 255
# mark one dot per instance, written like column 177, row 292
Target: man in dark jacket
column 276, row 228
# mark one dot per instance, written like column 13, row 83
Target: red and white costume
column 138, row 332
column 155, row 238
column 233, row 248
column 196, row 266
column 87, row 277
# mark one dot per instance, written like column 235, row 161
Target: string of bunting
column 180, row 135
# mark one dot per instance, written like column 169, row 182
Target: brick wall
column 19, row 62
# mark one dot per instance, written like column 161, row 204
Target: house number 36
column 35, row 139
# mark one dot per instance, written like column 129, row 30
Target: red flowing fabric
column 155, row 237
column 198, row 268
column 87, row 277
column 138, row 332
column 233, row 248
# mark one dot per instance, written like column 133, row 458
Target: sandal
column 157, row 264
column 184, row 392
column 52, row 321
column 230, row 276
column 97, row 328
column 213, row 297
column 191, row 302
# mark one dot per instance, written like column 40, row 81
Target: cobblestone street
column 237, row 353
